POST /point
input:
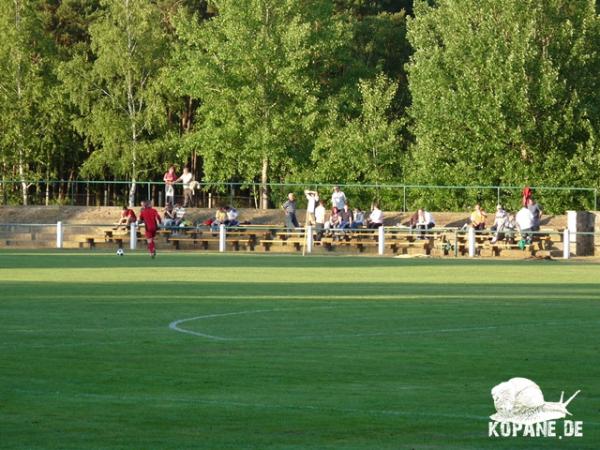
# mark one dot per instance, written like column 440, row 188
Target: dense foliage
column 367, row 91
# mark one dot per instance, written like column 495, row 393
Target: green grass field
column 286, row 352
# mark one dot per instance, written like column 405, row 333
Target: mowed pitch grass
column 286, row 352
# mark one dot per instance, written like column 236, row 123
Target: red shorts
column 150, row 233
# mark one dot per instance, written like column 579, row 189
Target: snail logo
column 520, row 401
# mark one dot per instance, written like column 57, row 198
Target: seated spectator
column 524, row 221
column 358, row 218
column 232, row 216
column 424, row 221
column 536, row 212
column 478, row 218
column 346, row 217
column 413, row 221
column 500, row 221
column 375, row 218
column 169, row 216
column 510, row 227
column 127, row 218
column 335, row 219
column 179, row 214
column 220, row 218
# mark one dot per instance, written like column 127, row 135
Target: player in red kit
column 151, row 220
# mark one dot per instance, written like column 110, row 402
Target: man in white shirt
column 524, row 221
column 312, row 198
column 376, row 217
column 320, row 219
column 186, row 179
column 424, row 221
column 338, row 198
column 232, row 217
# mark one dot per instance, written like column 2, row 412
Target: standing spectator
column 127, row 218
column 169, row 215
column 376, row 217
column 320, row 219
column 186, row 179
column 536, row 212
column 424, row 221
column 524, row 221
column 338, row 198
column 169, row 179
column 478, row 218
column 526, row 194
column 500, row 221
column 289, row 207
column 312, row 198
column 358, row 218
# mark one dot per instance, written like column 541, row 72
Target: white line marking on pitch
column 175, row 326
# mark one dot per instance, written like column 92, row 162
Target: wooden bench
column 297, row 243
column 235, row 243
column 93, row 241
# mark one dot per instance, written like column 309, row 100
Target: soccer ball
column 120, row 252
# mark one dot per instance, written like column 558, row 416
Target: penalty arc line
column 175, row 327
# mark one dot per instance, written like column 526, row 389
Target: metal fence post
column 566, row 244
column 133, row 236
column 381, row 240
column 309, row 239
column 59, row 235
column 222, row 236
column 471, row 242
column 498, row 195
column 404, row 197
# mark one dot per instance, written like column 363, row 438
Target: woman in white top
column 376, row 217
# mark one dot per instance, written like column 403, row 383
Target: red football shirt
column 150, row 217
column 129, row 213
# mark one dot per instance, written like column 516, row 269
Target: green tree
column 258, row 69
column 362, row 149
column 115, row 89
column 505, row 92
column 23, row 64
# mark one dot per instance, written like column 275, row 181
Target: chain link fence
column 391, row 197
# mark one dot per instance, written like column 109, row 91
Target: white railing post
column 380, row 240
column 566, row 243
column 309, row 239
column 133, row 236
column 59, row 235
column 222, row 238
column 471, row 242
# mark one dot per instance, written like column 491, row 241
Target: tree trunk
column 264, row 190
column 21, row 164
